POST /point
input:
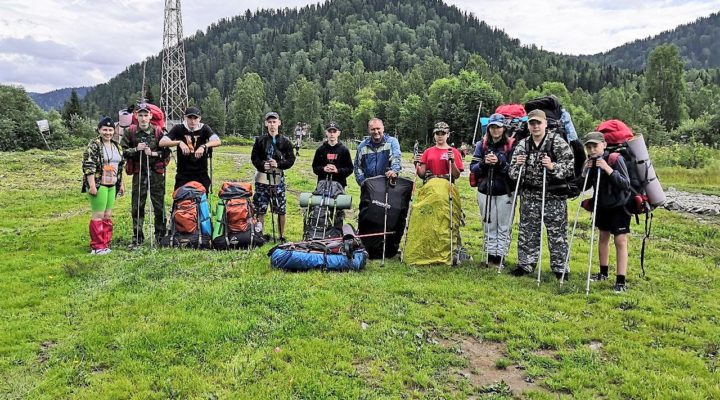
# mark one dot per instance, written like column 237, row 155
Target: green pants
column 103, row 200
column 157, row 198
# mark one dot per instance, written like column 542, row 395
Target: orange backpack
column 238, row 214
column 186, row 216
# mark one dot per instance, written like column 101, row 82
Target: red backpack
column 511, row 110
column 157, row 118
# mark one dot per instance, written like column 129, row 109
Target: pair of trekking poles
column 139, row 227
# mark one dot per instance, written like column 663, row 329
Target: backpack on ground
column 235, row 218
column 325, row 215
column 344, row 253
column 647, row 193
column 553, row 110
column 190, row 225
column 475, row 180
column 380, row 198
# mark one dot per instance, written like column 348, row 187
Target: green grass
column 190, row 324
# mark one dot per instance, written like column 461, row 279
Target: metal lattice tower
column 173, row 84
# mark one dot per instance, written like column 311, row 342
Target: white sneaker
column 100, row 252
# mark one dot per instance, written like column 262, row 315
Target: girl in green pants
column 102, row 180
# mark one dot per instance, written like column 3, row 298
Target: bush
column 691, row 156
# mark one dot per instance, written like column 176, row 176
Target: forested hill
column 57, row 98
column 349, row 36
column 699, row 44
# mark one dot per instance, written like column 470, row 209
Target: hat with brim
column 537, row 115
column 192, row 112
column 441, row 127
column 271, row 114
column 593, row 137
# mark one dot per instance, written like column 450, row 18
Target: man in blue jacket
column 378, row 154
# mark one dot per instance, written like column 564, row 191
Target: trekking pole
column 138, row 227
column 272, row 205
column 385, row 207
column 152, row 219
column 572, row 235
column 407, row 218
column 450, row 197
column 592, row 235
column 487, row 219
column 542, row 221
column 477, row 122
column 512, row 213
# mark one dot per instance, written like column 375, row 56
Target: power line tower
column 173, row 84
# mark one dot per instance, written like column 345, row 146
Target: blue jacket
column 375, row 159
column 501, row 180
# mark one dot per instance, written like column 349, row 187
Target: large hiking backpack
column 157, row 118
column 515, row 120
column 132, row 167
column 647, row 193
column 344, row 253
column 190, row 224
column 475, row 180
column 553, row 112
column 566, row 187
column 235, row 218
column 371, row 218
column 325, row 213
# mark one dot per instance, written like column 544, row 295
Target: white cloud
column 48, row 44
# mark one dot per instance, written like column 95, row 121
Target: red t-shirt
column 436, row 160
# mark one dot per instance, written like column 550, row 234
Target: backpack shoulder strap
column 613, row 159
column 508, row 145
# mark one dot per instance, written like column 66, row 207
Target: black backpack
column 564, row 187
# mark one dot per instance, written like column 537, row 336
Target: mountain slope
column 699, row 44
column 56, row 98
column 317, row 40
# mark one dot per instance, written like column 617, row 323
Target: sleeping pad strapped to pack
column 372, row 213
column 337, row 254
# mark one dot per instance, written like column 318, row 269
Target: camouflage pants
column 529, row 235
column 157, row 198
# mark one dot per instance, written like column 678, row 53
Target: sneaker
column 620, row 288
column 598, row 277
column 99, row 252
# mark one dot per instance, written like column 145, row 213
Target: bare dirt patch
column 44, row 353
column 486, row 361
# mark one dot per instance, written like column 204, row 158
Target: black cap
column 106, row 121
column 332, row 125
column 271, row 114
column 192, row 111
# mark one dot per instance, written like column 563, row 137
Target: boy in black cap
column 193, row 140
column 332, row 159
column 612, row 195
column 271, row 155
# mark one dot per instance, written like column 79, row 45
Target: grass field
column 164, row 324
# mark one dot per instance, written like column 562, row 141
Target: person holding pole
column 490, row 164
column 146, row 163
column 548, row 162
column 272, row 154
column 610, row 179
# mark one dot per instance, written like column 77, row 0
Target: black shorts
column 614, row 220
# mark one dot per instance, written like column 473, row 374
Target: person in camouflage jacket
column 102, row 180
column 146, row 161
column 538, row 152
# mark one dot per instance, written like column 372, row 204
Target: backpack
column 553, row 110
column 235, row 218
column 646, row 189
column 507, row 148
column 157, row 118
column 324, row 218
column 566, row 187
column 132, row 167
column 511, row 111
column 190, row 224
column 337, row 254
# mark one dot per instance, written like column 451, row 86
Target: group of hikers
column 536, row 168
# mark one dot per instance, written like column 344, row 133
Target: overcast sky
column 51, row 44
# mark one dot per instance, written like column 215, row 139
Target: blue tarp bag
column 318, row 255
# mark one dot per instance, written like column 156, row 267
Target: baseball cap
column 441, row 127
column 538, row 115
column 142, row 107
column 593, row 137
column 332, row 125
column 192, row 111
column 497, row 120
column 271, row 114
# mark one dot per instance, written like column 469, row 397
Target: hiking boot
column 559, row 275
column 620, row 288
column 519, row 271
column 598, row 277
column 134, row 245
